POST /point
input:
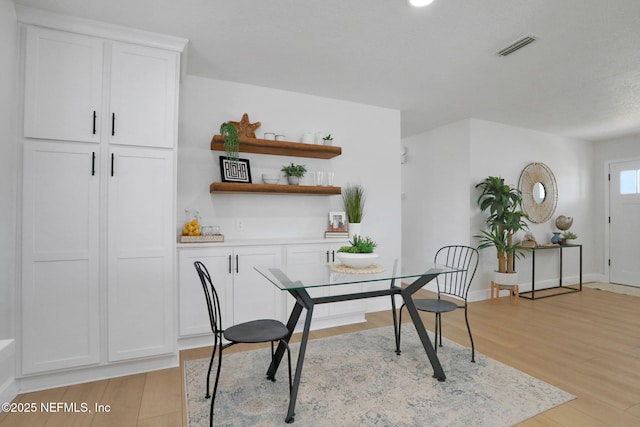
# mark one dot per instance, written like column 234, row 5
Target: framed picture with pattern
column 235, row 170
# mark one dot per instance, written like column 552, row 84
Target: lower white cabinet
column 244, row 294
column 325, row 315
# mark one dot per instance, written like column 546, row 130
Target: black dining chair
column 256, row 331
column 455, row 284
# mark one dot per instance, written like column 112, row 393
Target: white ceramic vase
column 507, row 279
column 355, row 228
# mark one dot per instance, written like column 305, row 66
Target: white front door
column 624, row 229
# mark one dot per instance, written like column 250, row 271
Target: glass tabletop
column 297, row 276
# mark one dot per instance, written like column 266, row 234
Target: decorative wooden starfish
column 245, row 128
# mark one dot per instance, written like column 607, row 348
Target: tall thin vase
column 354, row 228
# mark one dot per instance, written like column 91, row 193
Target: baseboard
column 95, row 373
column 8, row 385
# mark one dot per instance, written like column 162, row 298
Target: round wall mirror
column 539, row 192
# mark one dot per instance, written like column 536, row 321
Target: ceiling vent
column 517, row 45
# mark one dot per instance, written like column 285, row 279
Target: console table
column 565, row 289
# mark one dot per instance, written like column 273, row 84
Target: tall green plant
column 353, row 197
column 231, row 140
column 503, row 204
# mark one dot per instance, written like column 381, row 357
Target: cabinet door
column 143, row 94
column 254, row 297
column 141, row 233
column 63, row 86
column 194, row 317
column 60, row 283
column 309, row 254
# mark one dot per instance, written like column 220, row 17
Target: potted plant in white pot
column 503, row 204
column 294, row 173
column 359, row 253
column 353, row 197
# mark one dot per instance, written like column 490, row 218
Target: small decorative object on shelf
column 328, row 140
column 245, row 128
column 567, row 236
column 294, row 173
column 231, row 141
column 556, row 238
column 237, row 170
column 564, row 222
column 192, row 223
column 338, row 223
column 529, row 240
column 307, row 138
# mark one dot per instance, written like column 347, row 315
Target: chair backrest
column 211, row 296
column 456, row 256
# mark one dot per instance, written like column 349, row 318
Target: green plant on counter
column 569, row 235
column 359, row 245
column 231, row 140
column 353, row 197
column 294, row 170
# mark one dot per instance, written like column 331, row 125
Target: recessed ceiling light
column 420, row 3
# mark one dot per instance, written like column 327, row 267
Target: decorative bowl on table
column 357, row 260
column 268, row 178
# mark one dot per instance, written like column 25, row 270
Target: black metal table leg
column 291, row 325
column 407, row 293
column 308, row 302
column 438, row 372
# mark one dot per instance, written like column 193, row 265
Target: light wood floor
column 586, row 343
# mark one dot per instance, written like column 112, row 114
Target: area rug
column 357, row 379
column 610, row 287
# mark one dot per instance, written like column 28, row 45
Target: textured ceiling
column 437, row 65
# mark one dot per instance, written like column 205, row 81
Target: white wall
column 370, row 141
column 8, row 60
column 606, row 152
column 435, row 186
column 451, row 160
column 8, row 64
column 502, row 150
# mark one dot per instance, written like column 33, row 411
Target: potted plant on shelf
column 294, row 173
column 353, row 197
column 328, row 140
column 567, row 236
column 231, row 140
column 359, row 253
column 503, row 204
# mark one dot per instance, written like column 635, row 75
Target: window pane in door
column 628, row 182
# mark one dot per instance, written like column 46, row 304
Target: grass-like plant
column 359, row 245
column 354, row 197
column 569, row 235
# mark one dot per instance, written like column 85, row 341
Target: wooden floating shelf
column 280, row 148
column 240, row 187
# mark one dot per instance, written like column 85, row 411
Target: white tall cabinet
column 98, row 191
column 60, row 257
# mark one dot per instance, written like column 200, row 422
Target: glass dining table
column 384, row 279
